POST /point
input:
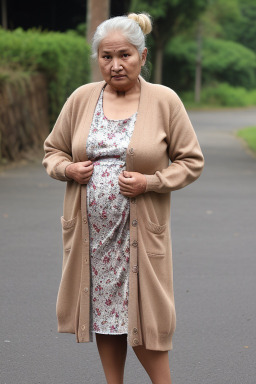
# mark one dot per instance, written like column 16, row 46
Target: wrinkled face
column 120, row 62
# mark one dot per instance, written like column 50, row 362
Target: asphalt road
column 214, row 251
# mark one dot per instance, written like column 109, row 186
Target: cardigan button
column 83, row 327
column 86, row 289
column 135, row 341
column 134, row 223
column 135, row 331
column 133, row 200
column 131, row 151
column 85, row 220
column 135, row 243
column 135, row 269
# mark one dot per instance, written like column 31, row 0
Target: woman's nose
column 116, row 65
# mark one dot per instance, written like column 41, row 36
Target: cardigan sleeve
column 57, row 146
column 186, row 157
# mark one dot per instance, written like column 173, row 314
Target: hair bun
column 144, row 21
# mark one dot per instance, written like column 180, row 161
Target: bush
column 222, row 61
column 226, row 95
column 229, row 62
column 223, row 95
column 63, row 58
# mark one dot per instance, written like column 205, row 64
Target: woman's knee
column 156, row 364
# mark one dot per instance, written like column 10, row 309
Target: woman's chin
column 121, row 84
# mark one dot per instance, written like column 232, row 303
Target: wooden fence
column 24, row 122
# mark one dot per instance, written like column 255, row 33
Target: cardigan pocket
column 156, row 239
column 68, row 227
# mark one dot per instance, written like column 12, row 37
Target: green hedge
column 63, row 57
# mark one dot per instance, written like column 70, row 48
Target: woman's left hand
column 132, row 183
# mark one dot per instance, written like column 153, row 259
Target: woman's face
column 120, row 62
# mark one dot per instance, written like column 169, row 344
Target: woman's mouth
column 117, row 77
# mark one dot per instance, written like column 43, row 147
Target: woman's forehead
column 115, row 41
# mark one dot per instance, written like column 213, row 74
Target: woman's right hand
column 80, row 172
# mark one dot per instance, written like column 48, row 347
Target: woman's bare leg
column 112, row 350
column 156, row 364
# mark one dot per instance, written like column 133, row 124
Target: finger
column 84, row 178
column 84, row 181
column 123, row 191
column 127, row 174
column 121, row 177
column 124, row 176
column 126, row 180
column 128, row 194
column 86, row 170
column 121, row 183
column 87, row 177
column 88, row 167
column 86, row 163
column 125, row 187
column 88, row 173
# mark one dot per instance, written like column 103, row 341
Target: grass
column 248, row 134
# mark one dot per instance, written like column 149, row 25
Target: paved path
column 214, row 244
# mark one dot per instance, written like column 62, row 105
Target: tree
column 170, row 17
column 210, row 23
column 4, row 13
column 97, row 11
column 198, row 74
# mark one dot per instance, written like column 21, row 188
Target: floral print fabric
column 108, row 217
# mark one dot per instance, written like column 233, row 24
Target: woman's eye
column 107, row 57
column 125, row 55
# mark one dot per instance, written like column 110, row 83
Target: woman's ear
column 144, row 56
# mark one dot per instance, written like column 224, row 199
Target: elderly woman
column 112, row 144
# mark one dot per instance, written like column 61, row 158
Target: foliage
column 231, row 20
column 63, row 58
column 246, row 30
column 222, row 61
column 169, row 18
column 223, row 95
column 80, row 30
column 249, row 136
column 243, row 28
column 231, row 62
column 218, row 15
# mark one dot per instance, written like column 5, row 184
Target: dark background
column 55, row 15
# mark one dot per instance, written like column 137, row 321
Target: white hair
column 133, row 27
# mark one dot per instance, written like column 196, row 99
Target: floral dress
column 108, row 218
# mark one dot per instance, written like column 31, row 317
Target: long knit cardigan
column 162, row 132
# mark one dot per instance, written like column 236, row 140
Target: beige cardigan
column 162, row 131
